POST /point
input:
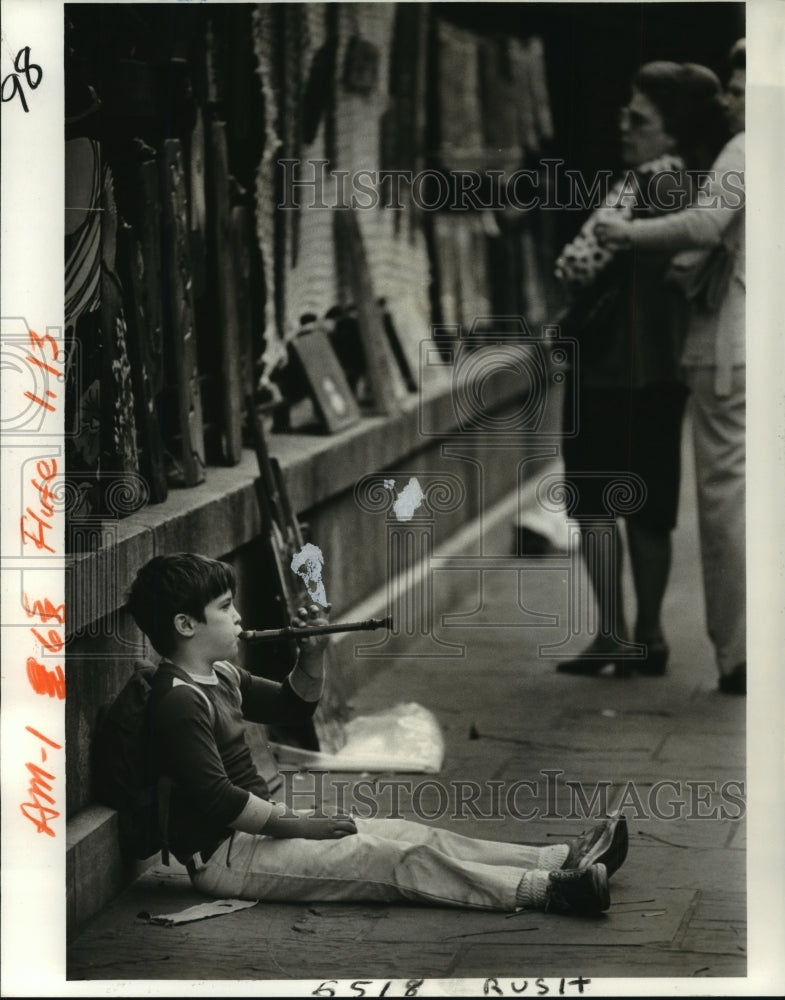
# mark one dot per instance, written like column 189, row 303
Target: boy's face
column 217, row 634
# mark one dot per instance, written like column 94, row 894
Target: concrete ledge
column 94, row 870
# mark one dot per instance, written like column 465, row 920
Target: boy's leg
column 605, row 841
column 363, row 867
column 488, row 852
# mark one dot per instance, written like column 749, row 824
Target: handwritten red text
column 39, row 808
column 45, row 680
column 42, row 344
column 35, row 524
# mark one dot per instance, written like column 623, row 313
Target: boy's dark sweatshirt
column 205, row 753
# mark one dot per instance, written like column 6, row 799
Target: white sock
column 532, row 890
column 553, row 856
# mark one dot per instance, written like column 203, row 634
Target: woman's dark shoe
column 592, row 661
column 736, row 681
column 655, row 662
column 585, row 666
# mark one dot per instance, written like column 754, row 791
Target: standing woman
column 629, row 391
column 714, row 365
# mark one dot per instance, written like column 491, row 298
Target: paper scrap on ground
column 406, row 737
column 308, row 563
column 409, row 499
column 202, row 911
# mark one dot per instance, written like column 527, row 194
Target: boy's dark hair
column 181, row 583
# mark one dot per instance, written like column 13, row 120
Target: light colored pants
column 718, row 433
column 386, row 860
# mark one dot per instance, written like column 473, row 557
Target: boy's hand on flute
column 312, row 616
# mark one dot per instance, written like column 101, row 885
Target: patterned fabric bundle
column 583, row 259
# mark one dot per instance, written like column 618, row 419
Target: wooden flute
column 306, row 631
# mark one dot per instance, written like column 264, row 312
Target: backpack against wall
column 124, row 773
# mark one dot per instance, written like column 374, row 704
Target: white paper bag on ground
column 406, row 737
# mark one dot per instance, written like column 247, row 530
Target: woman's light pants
column 719, row 424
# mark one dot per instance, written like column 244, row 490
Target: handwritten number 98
column 12, row 85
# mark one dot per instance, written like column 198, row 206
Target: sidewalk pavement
column 678, row 905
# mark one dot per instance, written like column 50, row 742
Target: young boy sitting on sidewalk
column 236, row 842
